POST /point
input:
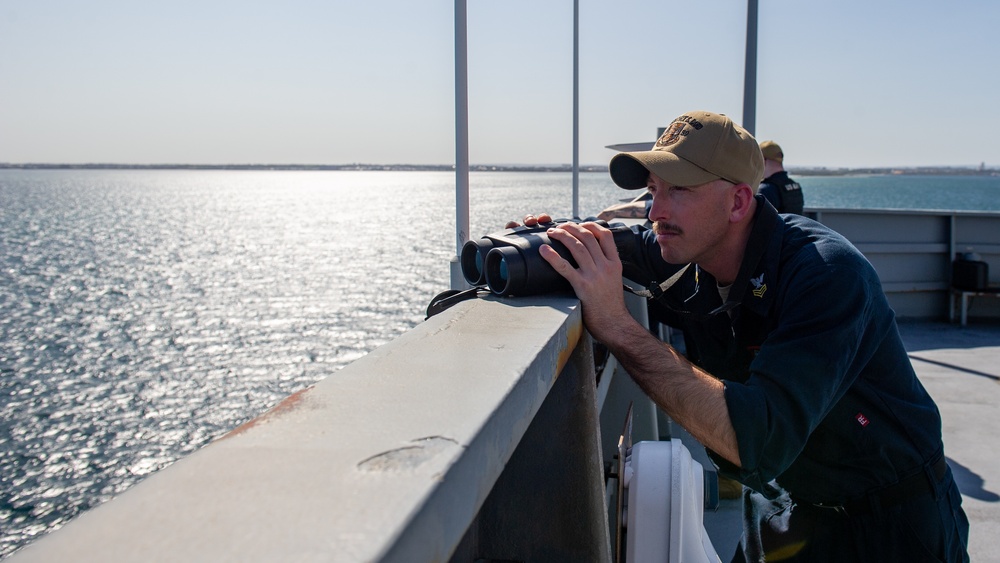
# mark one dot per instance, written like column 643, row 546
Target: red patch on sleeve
column 862, row 419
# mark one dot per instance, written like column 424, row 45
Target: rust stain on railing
column 289, row 404
column 573, row 334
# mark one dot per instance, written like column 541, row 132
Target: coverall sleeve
column 824, row 336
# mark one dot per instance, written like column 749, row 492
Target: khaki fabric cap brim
column 630, row 170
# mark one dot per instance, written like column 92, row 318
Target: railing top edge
column 893, row 211
column 338, row 470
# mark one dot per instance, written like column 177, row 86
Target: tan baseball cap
column 771, row 151
column 698, row 147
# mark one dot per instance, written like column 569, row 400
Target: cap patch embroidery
column 672, row 134
column 862, row 419
column 759, row 286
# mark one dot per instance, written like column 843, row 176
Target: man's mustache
column 662, row 228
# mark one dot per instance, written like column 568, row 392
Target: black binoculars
column 509, row 263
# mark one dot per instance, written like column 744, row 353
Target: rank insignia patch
column 759, row 287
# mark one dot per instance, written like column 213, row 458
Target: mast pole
column 750, row 71
column 576, row 108
column 461, row 142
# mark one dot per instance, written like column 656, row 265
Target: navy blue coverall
column 840, row 445
column 784, row 193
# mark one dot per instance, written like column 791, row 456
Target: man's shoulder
column 806, row 241
column 778, row 178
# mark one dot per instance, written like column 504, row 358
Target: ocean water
column 145, row 313
column 967, row 193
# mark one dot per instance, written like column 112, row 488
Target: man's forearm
column 691, row 396
column 630, row 210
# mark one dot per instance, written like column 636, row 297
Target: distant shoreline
column 803, row 171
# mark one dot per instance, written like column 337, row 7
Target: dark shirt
column 784, row 193
column 819, row 387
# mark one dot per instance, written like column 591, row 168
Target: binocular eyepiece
column 508, row 261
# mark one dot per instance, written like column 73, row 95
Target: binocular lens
column 503, row 265
column 473, row 259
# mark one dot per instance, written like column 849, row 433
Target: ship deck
column 960, row 367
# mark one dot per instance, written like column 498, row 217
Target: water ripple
column 143, row 314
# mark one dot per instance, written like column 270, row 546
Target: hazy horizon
column 850, row 84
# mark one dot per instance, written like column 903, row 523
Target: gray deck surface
column 960, row 367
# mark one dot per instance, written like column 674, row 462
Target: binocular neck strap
column 655, row 290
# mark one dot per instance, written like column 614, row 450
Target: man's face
column 690, row 221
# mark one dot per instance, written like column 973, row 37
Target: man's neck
column 772, row 167
column 725, row 266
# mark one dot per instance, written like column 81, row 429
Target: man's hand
column 530, row 221
column 597, row 279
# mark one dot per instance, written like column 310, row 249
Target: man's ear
column 742, row 202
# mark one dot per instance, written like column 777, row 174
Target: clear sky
column 840, row 83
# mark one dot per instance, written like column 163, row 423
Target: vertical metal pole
column 576, row 108
column 461, row 142
column 750, row 72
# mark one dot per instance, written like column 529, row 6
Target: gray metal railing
column 474, row 435
column 912, row 251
